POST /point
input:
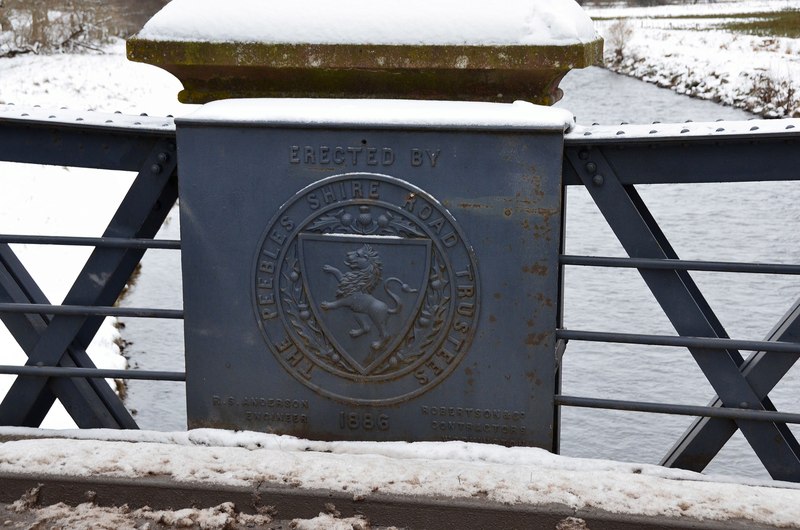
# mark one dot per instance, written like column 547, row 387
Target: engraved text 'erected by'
column 325, row 155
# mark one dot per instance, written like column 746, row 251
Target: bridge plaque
column 372, row 270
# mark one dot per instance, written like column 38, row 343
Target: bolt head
column 155, row 169
column 591, row 167
column 598, row 180
column 163, row 157
column 583, row 155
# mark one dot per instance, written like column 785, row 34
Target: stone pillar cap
column 440, row 49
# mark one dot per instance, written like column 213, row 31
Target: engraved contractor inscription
column 365, row 289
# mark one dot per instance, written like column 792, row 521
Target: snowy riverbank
column 673, row 48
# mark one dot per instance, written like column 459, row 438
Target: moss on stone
column 211, row 70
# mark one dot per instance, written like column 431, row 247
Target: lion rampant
column 355, row 293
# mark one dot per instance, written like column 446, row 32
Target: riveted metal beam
column 693, row 152
column 684, row 305
column 105, row 274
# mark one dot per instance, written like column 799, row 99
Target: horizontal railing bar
column 672, row 264
column 82, row 310
column 688, row 342
column 108, row 242
column 57, row 371
column 682, row 410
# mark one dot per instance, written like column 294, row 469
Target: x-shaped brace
column 685, row 307
column 763, row 370
column 61, row 340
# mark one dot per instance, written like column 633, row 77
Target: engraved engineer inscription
column 365, row 289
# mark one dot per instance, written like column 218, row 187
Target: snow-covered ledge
column 517, row 478
column 448, row 49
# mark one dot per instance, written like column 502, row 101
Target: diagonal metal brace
column 706, row 436
column 102, row 279
column 28, row 328
column 685, row 307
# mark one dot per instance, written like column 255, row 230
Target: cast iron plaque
column 371, row 282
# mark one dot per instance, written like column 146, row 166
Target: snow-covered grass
column 697, row 50
column 512, row 476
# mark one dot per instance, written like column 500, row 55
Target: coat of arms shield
column 365, row 291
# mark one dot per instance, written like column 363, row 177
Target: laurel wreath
column 428, row 321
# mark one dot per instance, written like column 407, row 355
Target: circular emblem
column 366, row 290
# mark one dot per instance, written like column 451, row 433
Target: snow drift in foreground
column 514, row 475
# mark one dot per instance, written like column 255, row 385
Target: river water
column 736, row 222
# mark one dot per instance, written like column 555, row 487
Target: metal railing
column 610, row 162
column 607, row 161
column 55, row 337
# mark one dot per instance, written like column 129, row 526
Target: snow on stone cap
column 382, row 113
column 438, row 22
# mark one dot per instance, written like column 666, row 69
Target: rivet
column 620, row 132
column 78, row 119
column 684, row 131
column 143, row 114
column 653, row 131
column 591, row 167
column 598, row 180
column 583, row 155
column 162, row 157
column 754, row 128
column 155, row 168
column 790, row 126
column 720, row 129
column 744, row 405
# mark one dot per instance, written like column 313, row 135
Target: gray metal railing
column 607, row 161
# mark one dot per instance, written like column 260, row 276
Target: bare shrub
column 618, row 36
column 779, row 94
column 34, row 26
